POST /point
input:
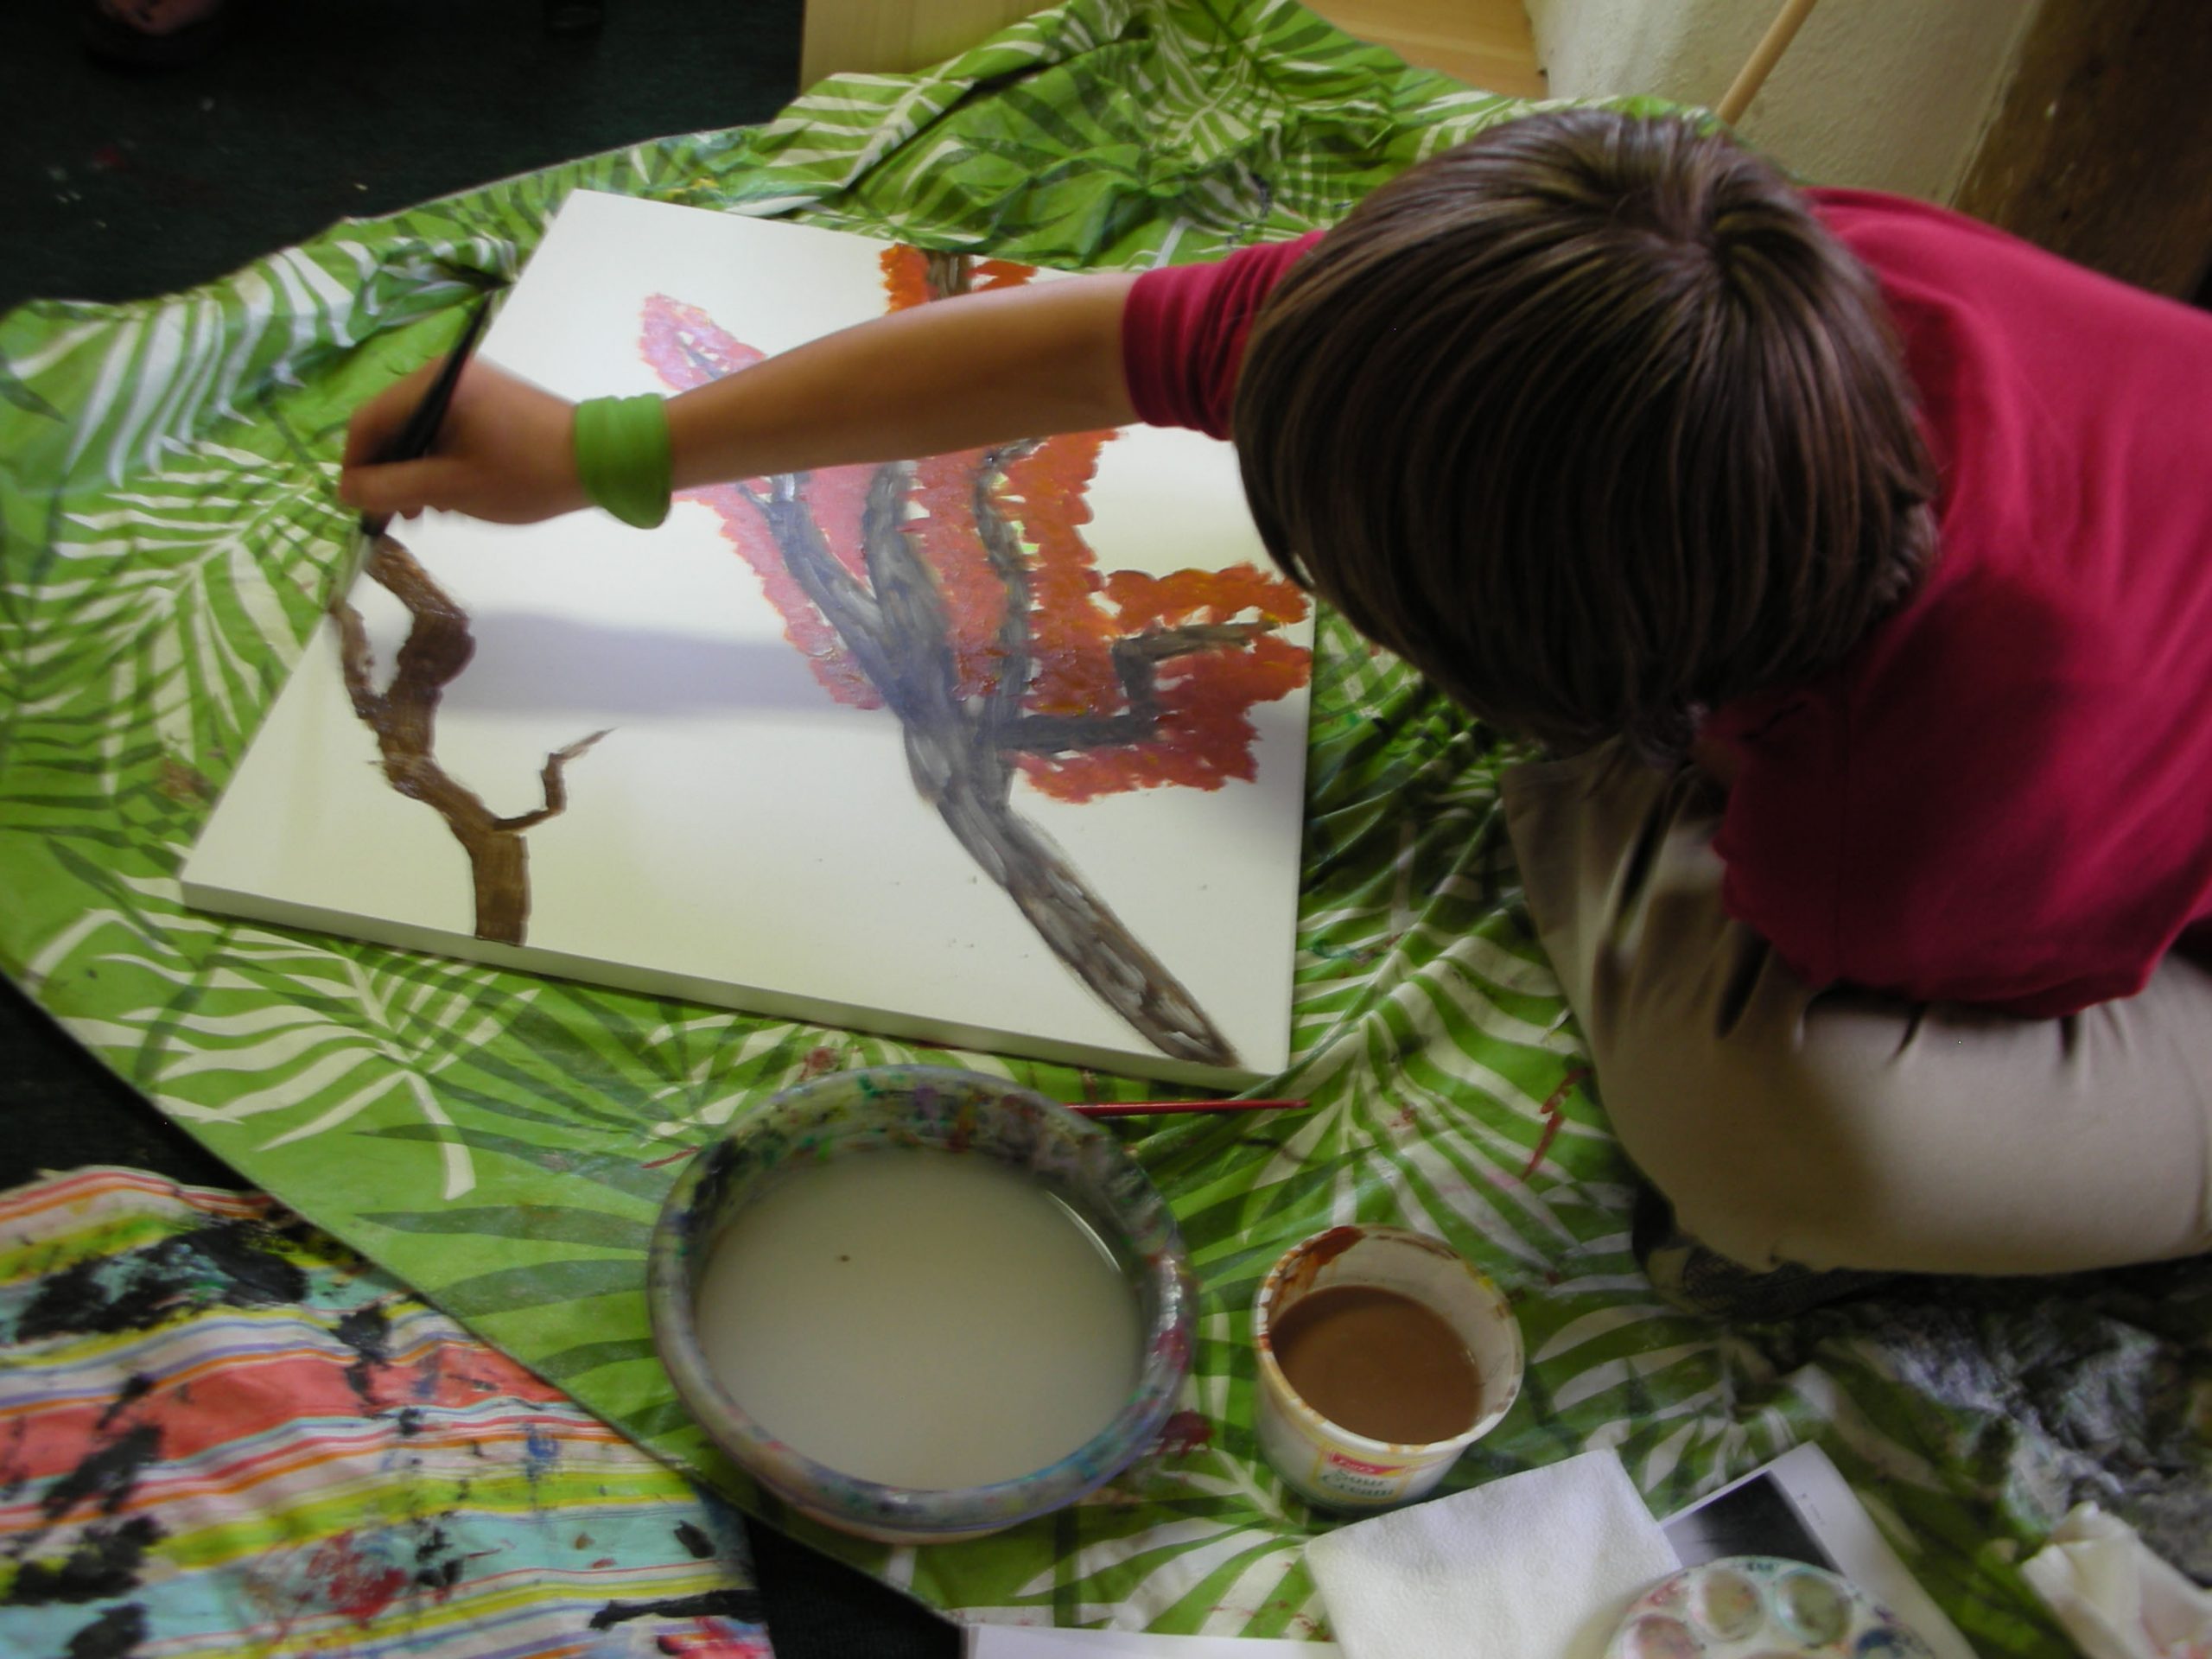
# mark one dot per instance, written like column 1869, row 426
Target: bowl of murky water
column 919, row 1304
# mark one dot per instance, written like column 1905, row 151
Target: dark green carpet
column 117, row 185
column 114, row 184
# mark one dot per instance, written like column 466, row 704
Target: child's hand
column 505, row 452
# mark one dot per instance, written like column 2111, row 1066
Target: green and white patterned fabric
column 502, row 1141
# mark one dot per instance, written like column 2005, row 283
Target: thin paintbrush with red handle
column 1167, row 1108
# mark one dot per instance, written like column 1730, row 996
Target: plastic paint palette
column 1758, row 1607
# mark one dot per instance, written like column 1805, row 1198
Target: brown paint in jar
column 1378, row 1363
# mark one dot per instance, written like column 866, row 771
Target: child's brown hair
column 1593, row 422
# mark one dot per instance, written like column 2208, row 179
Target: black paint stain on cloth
column 105, row 1563
column 743, row 1605
column 115, row 1634
column 238, row 1262
column 692, row 1539
column 440, row 1577
column 106, row 1556
column 13, row 1473
column 108, row 1474
column 136, row 1388
column 368, row 1331
column 249, row 1255
column 438, row 1568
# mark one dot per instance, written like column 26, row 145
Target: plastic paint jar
column 1335, row 1466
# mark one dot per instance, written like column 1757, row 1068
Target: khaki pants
column 1843, row 1129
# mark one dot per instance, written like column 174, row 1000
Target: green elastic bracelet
column 622, row 456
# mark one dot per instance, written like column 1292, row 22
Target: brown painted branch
column 1159, row 644
column 403, row 716
column 948, row 276
column 844, row 603
column 1080, row 928
column 1003, row 550
column 1134, row 657
column 914, row 635
column 555, row 779
column 901, row 642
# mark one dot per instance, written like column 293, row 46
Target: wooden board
column 2101, row 147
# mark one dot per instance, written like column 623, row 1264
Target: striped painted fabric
column 222, row 1433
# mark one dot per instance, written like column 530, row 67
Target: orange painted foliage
column 1202, row 734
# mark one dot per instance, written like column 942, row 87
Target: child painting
column 1851, row 561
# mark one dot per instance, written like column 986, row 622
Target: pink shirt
column 2004, row 796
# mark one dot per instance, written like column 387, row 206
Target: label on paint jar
column 1355, row 1479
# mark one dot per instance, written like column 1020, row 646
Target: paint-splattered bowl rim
column 948, row 1109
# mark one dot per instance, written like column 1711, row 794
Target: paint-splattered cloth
column 223, row 1434
column 502, row 1142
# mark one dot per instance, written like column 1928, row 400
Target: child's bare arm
column 1013, row 362
column 985, row 368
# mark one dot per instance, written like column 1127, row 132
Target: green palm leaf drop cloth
column 502, row 1142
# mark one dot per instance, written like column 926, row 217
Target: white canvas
column 739, row 835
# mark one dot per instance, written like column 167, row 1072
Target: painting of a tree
column 959, row 592
column 1002, row 749
column 403, row 715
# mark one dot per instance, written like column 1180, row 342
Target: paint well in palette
column 1761, row 1607
column 925, row 1320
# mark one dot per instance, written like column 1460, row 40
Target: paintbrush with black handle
column 411, row 442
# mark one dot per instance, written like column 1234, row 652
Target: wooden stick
column 1164, row 1107
column 1763, row 57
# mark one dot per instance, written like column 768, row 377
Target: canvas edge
column 597, row 973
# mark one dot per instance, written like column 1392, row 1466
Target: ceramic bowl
column 960, row 1112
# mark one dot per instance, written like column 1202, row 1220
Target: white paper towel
column 1536, row 1565
column 2116, row 1598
